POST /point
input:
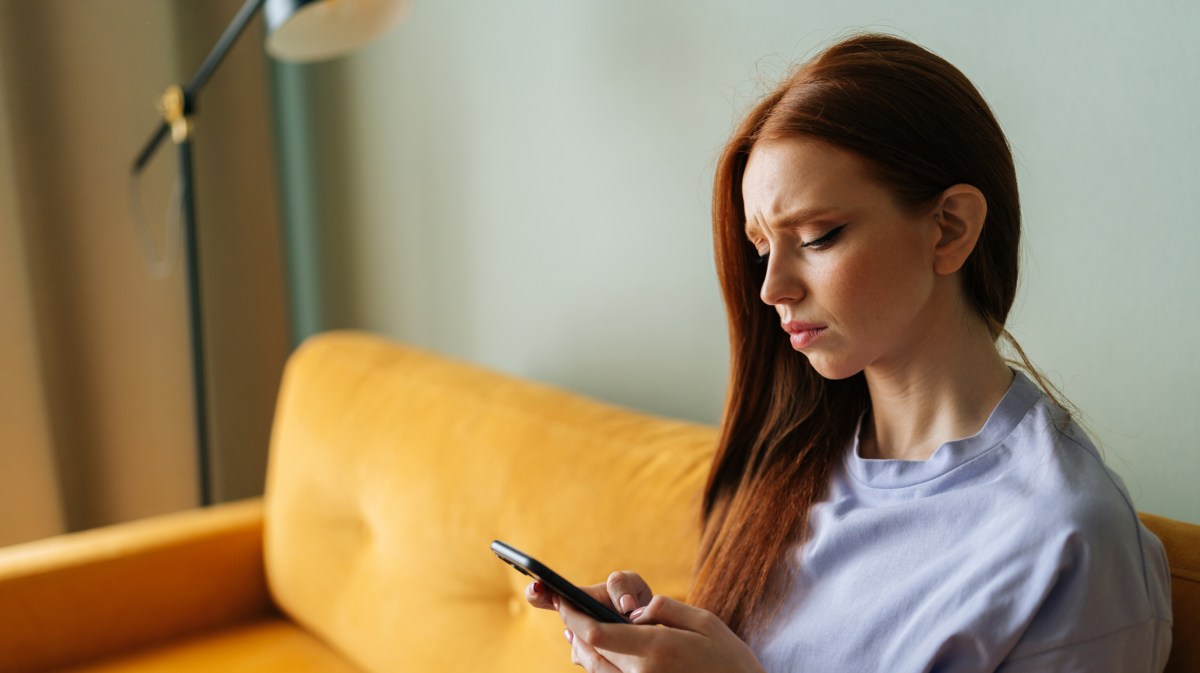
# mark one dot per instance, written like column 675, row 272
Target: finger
column 539, row 596
column 614, row 638
column 670, row 612
column 586, row 656
column 599, row 592
column 628, row 591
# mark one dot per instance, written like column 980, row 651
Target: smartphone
column 553, row 581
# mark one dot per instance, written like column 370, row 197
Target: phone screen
column 552, row 580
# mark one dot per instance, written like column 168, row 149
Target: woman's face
column 850, row 274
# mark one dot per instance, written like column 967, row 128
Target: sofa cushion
column 261, row 646
column 392, row 470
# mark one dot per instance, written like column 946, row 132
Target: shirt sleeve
column 1139, row 648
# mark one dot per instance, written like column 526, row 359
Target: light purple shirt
column 1016, row 549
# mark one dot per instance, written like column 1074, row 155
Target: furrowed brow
column 752, row 228
column 756, row 224
column 803, row 216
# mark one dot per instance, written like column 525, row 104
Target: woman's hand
column 624, row 592
column 687, row 639
column 665, row 636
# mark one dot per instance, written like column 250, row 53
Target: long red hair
column 922, row 127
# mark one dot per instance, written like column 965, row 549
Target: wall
column 526, row 185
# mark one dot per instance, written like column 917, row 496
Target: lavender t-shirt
column 1013, row 550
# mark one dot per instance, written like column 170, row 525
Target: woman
column 887, row 494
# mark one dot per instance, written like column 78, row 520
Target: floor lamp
column 297, row 30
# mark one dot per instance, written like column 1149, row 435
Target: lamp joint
column 173, row 108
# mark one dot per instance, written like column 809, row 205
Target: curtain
column 97, row 424
column 29, row 493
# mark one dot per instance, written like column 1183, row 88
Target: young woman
column 887, row 494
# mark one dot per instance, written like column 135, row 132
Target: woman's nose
column 781, row 285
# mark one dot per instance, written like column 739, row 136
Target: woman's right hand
column 624, row 591
column 679, row 637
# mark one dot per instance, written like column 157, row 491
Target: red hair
column 922, row 127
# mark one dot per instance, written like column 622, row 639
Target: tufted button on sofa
column 391, row 471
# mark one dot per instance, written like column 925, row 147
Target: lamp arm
column 222, row 47
column 218, row 52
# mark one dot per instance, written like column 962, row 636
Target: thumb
column 670, row 612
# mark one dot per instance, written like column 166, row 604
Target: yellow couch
column 391, row 471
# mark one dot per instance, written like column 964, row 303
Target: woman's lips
column 803, row 334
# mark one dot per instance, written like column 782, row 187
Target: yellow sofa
column 391, row 471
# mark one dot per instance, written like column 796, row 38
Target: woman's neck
column 945, row 390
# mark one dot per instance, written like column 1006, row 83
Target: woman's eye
column 826, row 240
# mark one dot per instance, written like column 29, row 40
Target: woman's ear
column 959, row 216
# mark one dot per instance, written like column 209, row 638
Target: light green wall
column 526, row 185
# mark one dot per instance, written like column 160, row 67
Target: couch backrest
column 1182, row 542
column 392, row 470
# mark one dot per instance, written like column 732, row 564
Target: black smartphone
column 553, row 581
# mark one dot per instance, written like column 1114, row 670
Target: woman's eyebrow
column 790, row 219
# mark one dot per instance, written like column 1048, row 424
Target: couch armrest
column 84, row 595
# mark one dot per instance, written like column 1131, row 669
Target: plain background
column 526, row 185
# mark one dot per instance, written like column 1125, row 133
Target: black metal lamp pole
column 177, row 105
column 321, row 30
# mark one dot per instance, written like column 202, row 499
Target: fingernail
column 535, row 588
column 635, row 614
column 569, row 636
column 628, row 603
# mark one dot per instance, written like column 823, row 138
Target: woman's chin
column 831, row 369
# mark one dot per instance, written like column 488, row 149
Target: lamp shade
column 314, row 30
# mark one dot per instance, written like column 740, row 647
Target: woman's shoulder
column 1106, row 564
column 1059, row 482
column 1089, row 568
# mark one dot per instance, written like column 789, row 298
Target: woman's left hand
column 685, row 639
